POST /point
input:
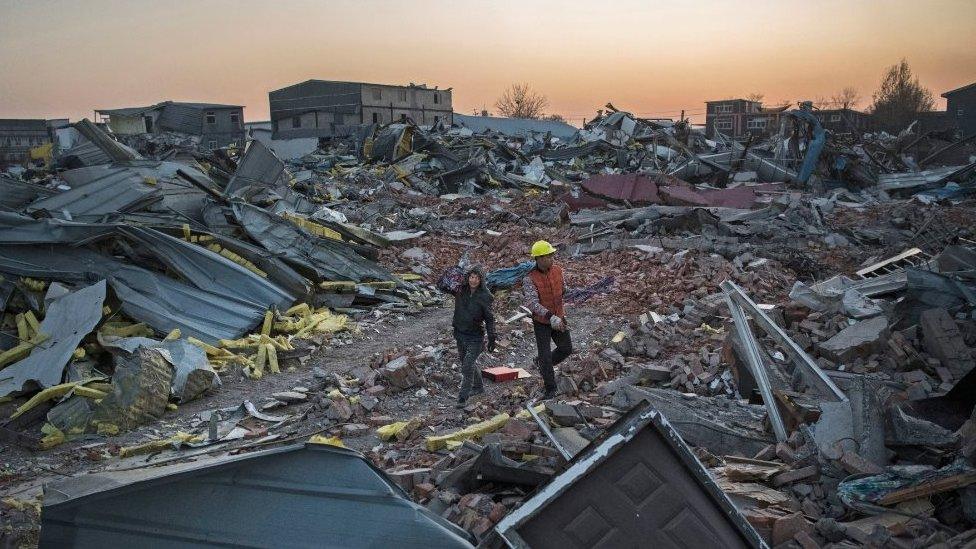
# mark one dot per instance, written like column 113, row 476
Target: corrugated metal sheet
column 68, row 320
column 97, row 191
column 87, row 153
column 515, row 127
column 14, row 194
column 181, row 118
column 634, row 188
column 160, row 302
column 899, row 181
column 328, row 259
column 259, row 166
column 210, row 271
column 639, row 485
column 299, row 496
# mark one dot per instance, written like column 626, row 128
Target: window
column 213, row 145
column 436, row 118
column 959, row 111
column 437, row 98
column 149, row 123
column 296, row 121
column 403, row 117
column 235, row 119
column 723, row 124
column 403, row 95
column 211, row 117
column 755, row 124
column 723, row 108
column 835, row 118
column 376, row 118
column 377, row 94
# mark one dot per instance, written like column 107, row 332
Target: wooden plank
column 929, row 488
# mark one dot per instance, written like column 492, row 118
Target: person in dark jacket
column 472, row 316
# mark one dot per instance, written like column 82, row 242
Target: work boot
column 549, row 394
column 461, row 403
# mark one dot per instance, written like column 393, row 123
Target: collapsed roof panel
column 96, row 192
column 634, row 188
column 160, row 302
column 328, row 259
column 298, row 496
column 638, row 481
column 15, row 194
column 210, row 271
column 203, row 268
column 259, row 166
column 68, row 320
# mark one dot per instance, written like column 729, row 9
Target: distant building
column 216, row 125
column 934, row 121
column 845, row 120
column 961, row 109
column 740, row 118
column 323, row 108
column 515, row 127
column 18, row 136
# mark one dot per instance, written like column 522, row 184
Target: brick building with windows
column 216, row 125
column 325, row 108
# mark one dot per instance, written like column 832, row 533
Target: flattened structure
column 299, row 496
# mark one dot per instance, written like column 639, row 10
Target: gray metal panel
column 908, row 180
column 515, row 127
column 69, row 319
column 637, row 486
column 181, row 118
column 88, row 154
column 14, row 194
column 299, row 496
column 210, row 271
column 259, row 166
column 328, row 259
column 160, row 302
column 98, row 191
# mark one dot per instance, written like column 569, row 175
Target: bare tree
column 755, row 96
column 847, row 98
column 521, row 101
column 900, row 97
column 554, row 117
column 821, row 102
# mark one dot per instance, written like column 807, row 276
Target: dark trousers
column 547, row 358
column 469, row 347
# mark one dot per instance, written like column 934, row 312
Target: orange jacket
column 544, row 293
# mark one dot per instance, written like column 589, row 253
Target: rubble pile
column 790, row 321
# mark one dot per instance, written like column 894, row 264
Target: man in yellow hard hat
column 544, row 289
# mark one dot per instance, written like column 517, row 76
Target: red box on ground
column 500, row 373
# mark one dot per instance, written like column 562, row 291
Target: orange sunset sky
column 64, row 59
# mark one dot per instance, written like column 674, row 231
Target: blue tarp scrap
column 502, row 279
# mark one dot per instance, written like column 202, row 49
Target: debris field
column 773, row 341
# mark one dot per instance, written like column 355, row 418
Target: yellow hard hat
column 541, row 248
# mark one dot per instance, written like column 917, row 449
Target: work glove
column 491, row 343
column 557, row 323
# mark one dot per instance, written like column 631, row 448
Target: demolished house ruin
column 775, row 339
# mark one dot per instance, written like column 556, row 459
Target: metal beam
column 811, row 372
column 756, row 366
column 545, row 429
